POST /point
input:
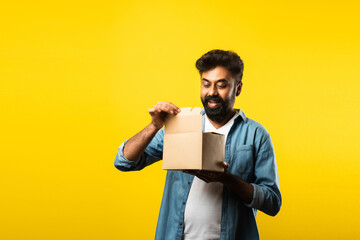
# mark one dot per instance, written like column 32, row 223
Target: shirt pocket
column 243, row 162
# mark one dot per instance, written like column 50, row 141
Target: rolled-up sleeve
column 266, row 196
column 152, row 153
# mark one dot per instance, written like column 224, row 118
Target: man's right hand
column 160, row 111
column 136, row 145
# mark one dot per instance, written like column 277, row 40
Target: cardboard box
column 187, row 147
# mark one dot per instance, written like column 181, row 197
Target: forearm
column 241, row 188
column 136, row 145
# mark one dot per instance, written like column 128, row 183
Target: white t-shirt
column 202, row 217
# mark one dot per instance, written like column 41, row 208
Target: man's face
column 218, row 92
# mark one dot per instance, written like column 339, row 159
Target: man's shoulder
column 252, row 125
column 256, row 124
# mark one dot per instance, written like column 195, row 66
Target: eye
column 206, row 85
column 221, row 85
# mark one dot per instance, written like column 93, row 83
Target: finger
column 152, row 112
column 157, row 108
column 225, row 165
column 167, row 107
column 168, row 104
column 189, row 172
column 176, row 109
column 205, row 175
column 171, row 108
column 162, row 107
column 212, row 176
column 203, row 178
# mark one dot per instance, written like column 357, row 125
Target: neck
column 218, row 125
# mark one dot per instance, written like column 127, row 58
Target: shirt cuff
column 122, row 160
column 258, row 197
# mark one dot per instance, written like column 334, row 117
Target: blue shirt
column 250, row 153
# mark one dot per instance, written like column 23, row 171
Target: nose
column 213, row 91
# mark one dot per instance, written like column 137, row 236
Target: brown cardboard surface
column 213, row 151
column 183, row 151
column 187, row 147
column 183, row 124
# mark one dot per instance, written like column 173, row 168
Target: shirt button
column 188, row 182
column 184, row 203
column 180, row 223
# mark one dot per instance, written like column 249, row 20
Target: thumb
column 225, row 165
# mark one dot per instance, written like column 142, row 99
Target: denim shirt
column 250, row 153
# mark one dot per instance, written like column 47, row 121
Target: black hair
column 227, row 59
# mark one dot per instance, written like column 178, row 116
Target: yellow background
column 77, row 78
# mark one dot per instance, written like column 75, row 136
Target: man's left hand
column 210, row 176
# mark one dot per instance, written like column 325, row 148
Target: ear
column 238, row 88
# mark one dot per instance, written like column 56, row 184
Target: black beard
column 216, row 114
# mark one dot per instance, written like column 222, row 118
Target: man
column 205, row 204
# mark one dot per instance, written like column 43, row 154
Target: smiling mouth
column 213, row 104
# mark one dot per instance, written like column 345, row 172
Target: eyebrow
column 219, row 80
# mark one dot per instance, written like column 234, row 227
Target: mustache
column 213, row 98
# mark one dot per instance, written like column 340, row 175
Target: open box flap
column 188, row 120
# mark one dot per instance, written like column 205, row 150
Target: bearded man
column 206, row 204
